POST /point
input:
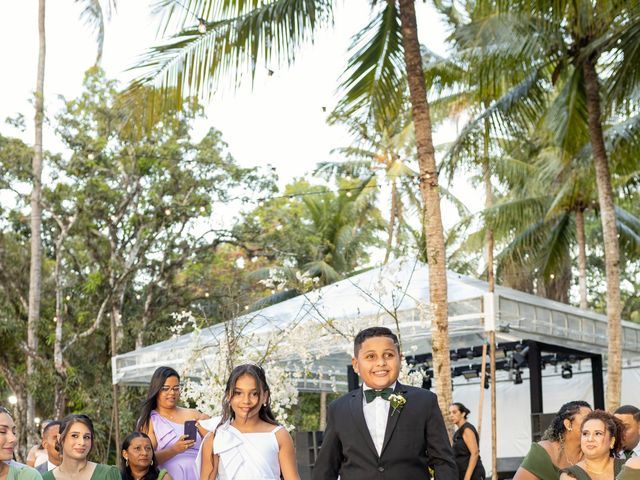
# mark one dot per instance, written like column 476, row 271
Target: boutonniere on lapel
column 397, row 401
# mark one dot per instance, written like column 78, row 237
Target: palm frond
column 194, row 63
column 374, row 78
column 94, row 17
column 566, row 119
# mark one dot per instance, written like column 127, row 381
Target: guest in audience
column 138, row 460
column 601, row 438
column 75, row 443
column 559, row 447
column 9, row 469
column 49, row 438
column 630, row 470
column 163, row 420
column 38, row 454
column 630, row 416
column 466, row 448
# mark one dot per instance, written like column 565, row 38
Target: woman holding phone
column 174, row 431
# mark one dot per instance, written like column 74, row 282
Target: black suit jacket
column 415, row 439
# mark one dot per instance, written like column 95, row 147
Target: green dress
column 22, row 472
column 102, row 472
column 629, row 474
column 538, row 462
column 581, row 474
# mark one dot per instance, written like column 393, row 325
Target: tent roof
column 397, row 292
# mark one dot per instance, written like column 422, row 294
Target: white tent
column 396, row 292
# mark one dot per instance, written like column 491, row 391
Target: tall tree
column 93, row 14
column 588, row 52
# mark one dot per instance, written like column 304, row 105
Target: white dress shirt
column 636, row 452
column 376, row 414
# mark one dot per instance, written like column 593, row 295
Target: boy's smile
column 377, row 362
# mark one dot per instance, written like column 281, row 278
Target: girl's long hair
column 257, row 373
column 125, row 470
column 151, row 402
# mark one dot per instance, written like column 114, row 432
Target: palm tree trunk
column 35, row 268
column 609, row 233
column 582, row 257
column 431, row 196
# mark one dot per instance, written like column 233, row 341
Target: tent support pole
column 535, row 377
column 598, row 382
column 483, row 375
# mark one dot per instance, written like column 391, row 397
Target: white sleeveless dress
column 247, row 456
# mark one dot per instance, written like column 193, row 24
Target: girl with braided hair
column 559, row 447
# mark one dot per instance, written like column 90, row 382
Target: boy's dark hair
column 372, row 332
column 51, row 423
column 628, row 410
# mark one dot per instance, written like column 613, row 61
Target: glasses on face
column 167, row 389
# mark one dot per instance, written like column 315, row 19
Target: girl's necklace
column 566, row 457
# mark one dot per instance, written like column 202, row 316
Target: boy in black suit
column 384, row 430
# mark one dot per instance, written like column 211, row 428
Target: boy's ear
column 354, row 364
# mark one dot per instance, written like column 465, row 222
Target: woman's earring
column 152, row 461
column 264, row 404
column 126, row 462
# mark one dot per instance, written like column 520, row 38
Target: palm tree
column 531, row 45
column 238, row 35
column 325, row 235
column 382, row 151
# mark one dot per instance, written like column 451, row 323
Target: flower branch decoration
column 397, row 401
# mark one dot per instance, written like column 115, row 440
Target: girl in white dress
column 248, row 443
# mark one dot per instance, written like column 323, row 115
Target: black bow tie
column 385, row 393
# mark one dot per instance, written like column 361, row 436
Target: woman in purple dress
column 163, row 420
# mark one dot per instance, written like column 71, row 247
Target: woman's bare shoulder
column 551, row 447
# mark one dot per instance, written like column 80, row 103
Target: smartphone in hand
column 190, row 429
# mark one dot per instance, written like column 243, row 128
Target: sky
column 278, row 122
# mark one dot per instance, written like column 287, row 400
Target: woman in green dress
column 601, row 438
column 75, row 444
column 630, row 470
column 10, row 470
column 559, row 447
